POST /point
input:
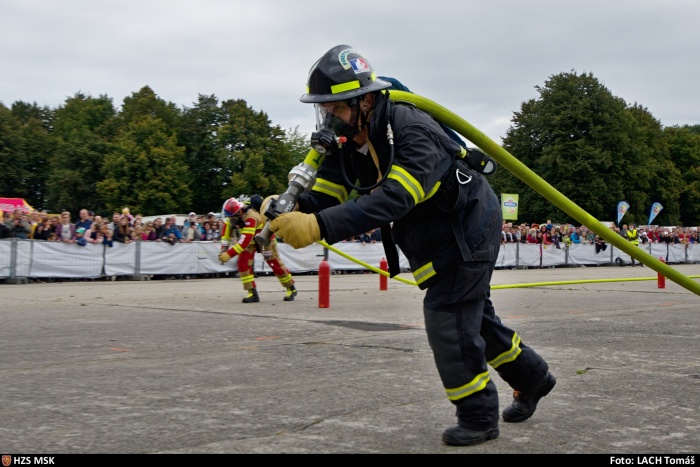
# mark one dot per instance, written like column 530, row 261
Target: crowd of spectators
column 123, row 227
column 561, row 235
column 373, row 236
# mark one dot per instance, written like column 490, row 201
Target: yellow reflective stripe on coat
column 238, row 248
column 424, row 273
column 408, row 182
column 331, row 189
column 248, row 231
column 475, row 385
column 509, row 355
column 431, row 192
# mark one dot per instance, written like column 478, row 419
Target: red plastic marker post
column 384, row 266
column 324, row 285
column 661, row 279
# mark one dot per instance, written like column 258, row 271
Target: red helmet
column 231, row 207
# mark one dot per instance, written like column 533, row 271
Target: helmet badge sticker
column 360, row 65
column 343, row 57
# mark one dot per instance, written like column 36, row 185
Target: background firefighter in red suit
column 250, row 222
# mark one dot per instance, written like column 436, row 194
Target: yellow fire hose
column 503, row 157
column 362, row 263
column 493, row 287
column 519, row 169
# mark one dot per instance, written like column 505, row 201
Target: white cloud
column 479, row 59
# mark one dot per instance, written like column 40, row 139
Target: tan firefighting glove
column 224, row 257
column 296, row 228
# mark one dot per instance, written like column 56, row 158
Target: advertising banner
column 622, row 208
column 655, row 210
column 509, row 206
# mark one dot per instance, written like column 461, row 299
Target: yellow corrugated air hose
column 521, row 171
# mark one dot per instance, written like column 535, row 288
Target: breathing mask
column 331, row 129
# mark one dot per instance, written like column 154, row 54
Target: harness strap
column 373, row 153
column 392, row 255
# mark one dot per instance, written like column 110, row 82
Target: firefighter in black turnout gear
column 443, row 215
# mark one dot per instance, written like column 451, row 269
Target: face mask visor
column 331, row 130
column 327, row 117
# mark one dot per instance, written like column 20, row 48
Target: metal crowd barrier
column 36, row 259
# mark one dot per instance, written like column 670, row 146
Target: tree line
column 154, row 157
column 150, row 156
column 597, row 150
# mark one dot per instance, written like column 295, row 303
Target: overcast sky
column 479, row 59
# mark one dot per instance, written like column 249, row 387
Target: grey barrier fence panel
column 40, row 259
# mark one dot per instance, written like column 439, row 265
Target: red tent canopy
column 10, row 204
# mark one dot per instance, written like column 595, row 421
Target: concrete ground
column 184, row 367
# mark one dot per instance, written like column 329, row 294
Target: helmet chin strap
column 361, row 119
column 362, row 130
column 355, row 116
column 363, row 126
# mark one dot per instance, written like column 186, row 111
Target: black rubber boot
column 290, row 294
column 525, row 402
column 460, row 436
column 252, row 296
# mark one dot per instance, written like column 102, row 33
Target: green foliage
column 24, row 151
column 11, row 157
column 203, row 153
column 593, row 148
column 684, row 150
column 144, row 103
column 155, row 158
column 231, row 149
column 256, row 158
column 37, row 147
column 146, row 170
column 81, row 135
column 653, row 165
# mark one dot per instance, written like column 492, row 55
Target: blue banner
column 622, row 208
column 655, row 209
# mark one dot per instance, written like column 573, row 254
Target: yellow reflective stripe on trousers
column 424, row 273
column 331, row 189
column 477, row 384
column 509, row 355
column 408, row 182
column 286, row 277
